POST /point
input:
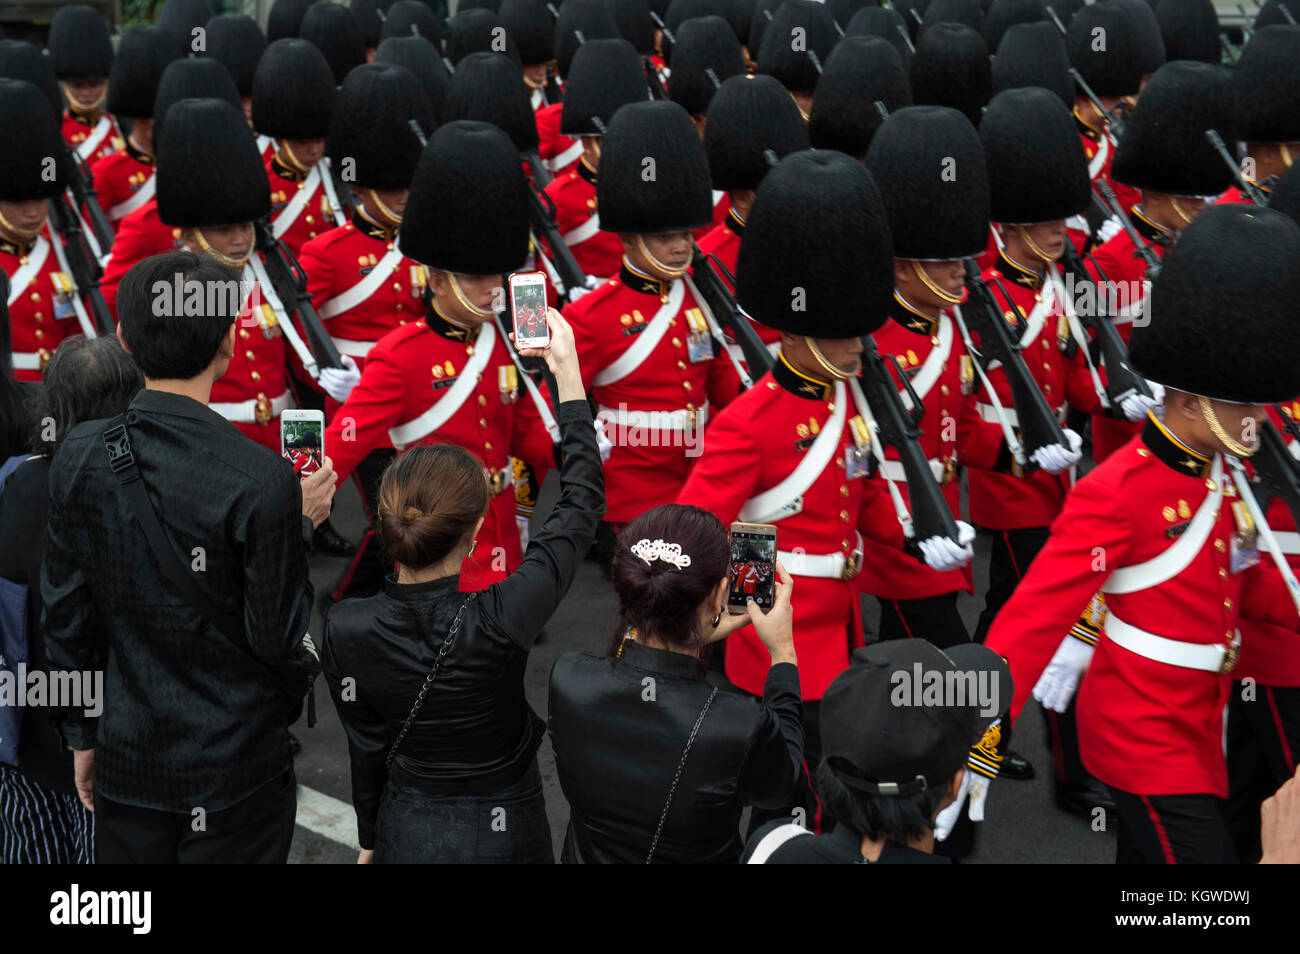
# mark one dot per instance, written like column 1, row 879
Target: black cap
column 21, row 60
column 740, row 14
column 191, row 79
column 181, row 17
column 862, row 71
column 654, row 175
column 1033, row 54
column 421, row 57
column 752, row 124
column 759, row 20
column 371, row 126
column 579, row 21
column 236, row 41
column 1037, row 169
column 1271, row 14
column 530, row 24
column 285, row 19
column 1004, row 14
column 79, row 45
column 634, row 23
column 1190, row 29
column 293, row 91
column 1234, row 271
column 335, row 32
column 142, row 56
column 881, row 732
column 1266, row 87
column 843, row 11
column 25, row 161
column 479, row 30
column 367, row 13
column 704, row 44
column 951, row 68
column 966, row 12
column 884, row 23
column 817, row 259
column 468, row 208
column 929, row 165
column 1285, row 196
column 412, row 18
column 492, row 5
column 1164, row 147
column 487, row 88
column 1151, row 43
column 679, row 11
column 1110, row 61
column 796, row 64
column 605, row 75
column 210, row 170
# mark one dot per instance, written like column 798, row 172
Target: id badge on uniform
column 857, row 456
column 1245, row 540
column 699, row 346
column 62, row 295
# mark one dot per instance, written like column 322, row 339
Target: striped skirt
column 39, row 826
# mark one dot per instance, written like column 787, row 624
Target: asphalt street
column 1022, row 822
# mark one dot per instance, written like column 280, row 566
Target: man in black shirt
column 897, row 730
column 189, row 760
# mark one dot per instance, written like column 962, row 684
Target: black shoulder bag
column 296, row 675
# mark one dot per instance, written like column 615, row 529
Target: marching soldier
column 1169, row 515
column 1191, row 31
column 531, row 27
column 333, row 29
column 235, row 40
column 863, row 71
column 285, row 18
column 451, row 378
column 124, row 180
column 181, row 18
column 406, row 18
column 82, row 57
column 579, row 22
column 951, row 68
column 1150, row 41
column 797, row 65
column 1266, row 106
column 792, row 449
column 632, row 17
column 421, row 57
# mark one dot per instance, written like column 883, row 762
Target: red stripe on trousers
column 1160, row 831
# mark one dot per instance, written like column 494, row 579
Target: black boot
column 327, row 540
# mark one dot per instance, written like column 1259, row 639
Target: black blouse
column 475, row 733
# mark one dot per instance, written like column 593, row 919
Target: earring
column 472, row 547
column 716, row 620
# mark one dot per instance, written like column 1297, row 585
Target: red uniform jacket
column 559, row 151
column 606, row 323
column 574, row 195
column 1002, row 501
column 406, row 374
column 256, row 372
column 139, row 234
column 77, row 130
column 38, row 320
column 118, row 177
column 951, row 433
column 1145, row 727
column 751, row 447
column 317, row 215
column 1099, row 148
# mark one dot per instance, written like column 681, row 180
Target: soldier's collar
column 735, row 222
column 642, row 282
column 136, row 153
column 585, row 171
column 800, row 384
column 82, row 118
column 286, row 171
column 1151, row 231
column 369, row 227
column 913, row 320
column 1018, row 273
column 1172, row 452
column 1087, row 129
column 12, row 246
column 449, row 329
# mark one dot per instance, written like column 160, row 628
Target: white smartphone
column 753, row 565
column 302, row 440
column 528, row 306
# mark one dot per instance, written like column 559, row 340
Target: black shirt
column 475, row 733
column 189, row 718
column 619, row 727
column 841, row 847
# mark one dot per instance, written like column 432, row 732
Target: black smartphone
column 753, row 565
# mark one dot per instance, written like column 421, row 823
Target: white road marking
column 327, row 816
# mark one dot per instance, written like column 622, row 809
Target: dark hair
column 87, row 379
column 900, row 818
column 658, row 597
column 429, row 499
column 13, row 402
column 167, row 340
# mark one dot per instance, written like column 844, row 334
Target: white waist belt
column 828, row 566
column 245, row 412
column 893, row 470
column 1211, row 657
column 654, row 420
column 27, row 361
column 1288, row 541
column 991, row 415
column 357, row 349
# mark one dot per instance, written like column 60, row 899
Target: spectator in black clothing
column 195, row 719
column 896, row 753
column 656, row 764
column 431, row 680
column 41, row 819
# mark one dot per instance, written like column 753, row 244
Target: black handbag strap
column 672, row 790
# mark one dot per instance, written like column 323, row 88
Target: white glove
column 591, row 283
column 339, row 382
column 1108, row 229
column 603, row 443
column 521, row 523
column 974, row 789
column 943, row 554
column 1135, row 406
column 1054, row 458
column 1157, row 391
column 1056, row 685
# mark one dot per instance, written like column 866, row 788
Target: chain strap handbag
column 428, row 681
column 672, row 790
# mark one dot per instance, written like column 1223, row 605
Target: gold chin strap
column 930, row 283
column 1235, row 447
column 393, row 218
column 658, row 265
column 835, row 373
column 1178, row 210
column 1035, row 247
column 81, row 107
column 474, row 310
column 25, row 235
column 221, row 256
column 293, row 160
column 1286, row 153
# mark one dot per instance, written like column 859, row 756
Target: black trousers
column 256, row 830
column 806, row 806
column 1009, row 559
column 368, row 567
column 1263, row 744
column 933, row 618
column 1171, row 829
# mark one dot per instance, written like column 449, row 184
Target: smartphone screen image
column 302, row 440
column 753, row 565
column 528, row 309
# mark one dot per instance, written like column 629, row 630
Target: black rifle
column 897, row 427
column 343, row 189
column 907, row 37
column 1140, row 248
column 540, row 174
column 654, row 80
column 1038, row 425
column 289, row 283
column 552, row 89
column 1249, row 189
column 1276, row 471
column 541, row 213
column 86, row 271
column 82, row 185
column 706, row 271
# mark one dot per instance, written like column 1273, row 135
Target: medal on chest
column 857, row 455
column 699, row 346
column 1245, row 539
column 508, row 383
column 63, row 291
column 267, row 320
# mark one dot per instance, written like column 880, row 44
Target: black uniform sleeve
column 774, row 763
